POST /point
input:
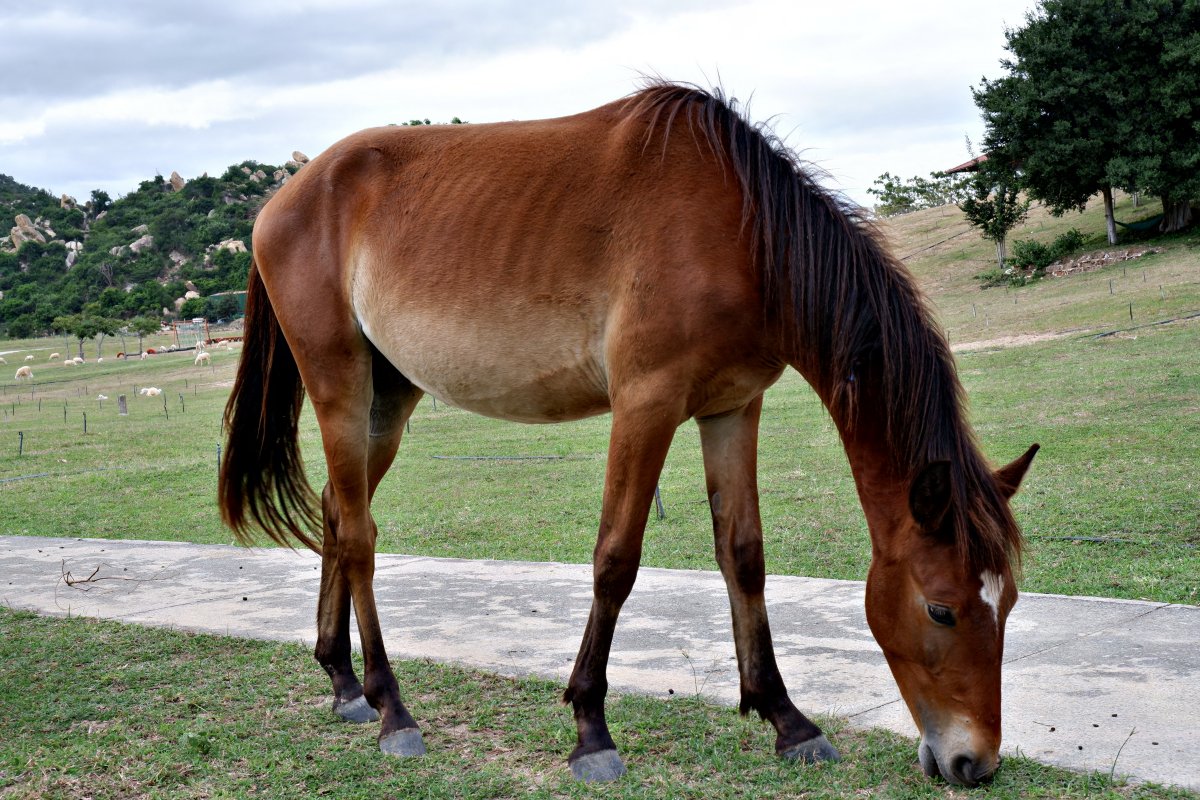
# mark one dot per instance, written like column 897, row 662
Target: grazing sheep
column 202, row 358
column 100, row 360
column 24, row 372
column 144, row 356
column 78, row 360
column 3, row 360
column 54, row 357
column 149, row 391
column 29, row 357
column 101, row 397
column 70, row 362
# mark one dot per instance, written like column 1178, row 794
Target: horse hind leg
column 348, row 553
column 730, row 445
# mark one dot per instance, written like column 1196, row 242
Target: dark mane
column 852, row 310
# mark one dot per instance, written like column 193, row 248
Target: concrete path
column 1085, row 678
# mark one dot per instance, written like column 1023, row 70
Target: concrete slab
column 1108, row 676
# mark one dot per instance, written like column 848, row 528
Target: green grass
column 1117, row 418
column 112, row 711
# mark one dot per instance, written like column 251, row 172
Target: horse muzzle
column 957, row 766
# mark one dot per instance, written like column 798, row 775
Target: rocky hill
column 167, row 249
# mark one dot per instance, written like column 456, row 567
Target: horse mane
column 850, row 309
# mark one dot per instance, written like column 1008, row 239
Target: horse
column 660, row 258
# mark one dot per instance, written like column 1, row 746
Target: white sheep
column 144, row 356
column 100, row 360
column 54, row 357
column 3, row 360
column 150, row 391
column 101, row 397
column 24, row 372
column 70, row 362
column 202, row 358
column 78, row 360
column 29, row 357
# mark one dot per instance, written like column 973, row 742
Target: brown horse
column 659, row 258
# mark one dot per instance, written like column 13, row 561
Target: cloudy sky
column 104, row 95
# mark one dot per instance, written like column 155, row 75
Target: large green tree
column 1100, row 94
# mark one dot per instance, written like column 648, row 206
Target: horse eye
column 941, row 615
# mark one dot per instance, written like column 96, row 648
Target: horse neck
column 881, row 483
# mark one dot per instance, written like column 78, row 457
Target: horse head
column 939, row 618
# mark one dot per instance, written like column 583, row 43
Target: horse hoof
column 599, row 767
column 812, row 751
column 403, row 743
column 356, row 710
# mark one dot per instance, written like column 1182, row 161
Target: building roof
column 969, row 166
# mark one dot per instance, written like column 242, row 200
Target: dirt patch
column 1008, row 341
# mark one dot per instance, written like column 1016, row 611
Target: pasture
column 1111, row 507
column 119, row 711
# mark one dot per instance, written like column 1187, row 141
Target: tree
column 143, row 326
column 897, row 196
column 1100, row 95
column 994, row 206
column 100, row 201
column 105, row 326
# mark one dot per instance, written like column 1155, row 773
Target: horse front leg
column 638, row 447
column 730, row 446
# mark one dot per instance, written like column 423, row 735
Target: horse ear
column 929, row 495
column 1009, row 478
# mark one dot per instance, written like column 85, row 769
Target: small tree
column 105, row 326
column 995, row 208
column 143, row 326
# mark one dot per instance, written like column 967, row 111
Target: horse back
column 524, row 270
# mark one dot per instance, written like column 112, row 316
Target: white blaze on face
column 993, row 588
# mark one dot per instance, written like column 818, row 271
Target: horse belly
column 528, row 369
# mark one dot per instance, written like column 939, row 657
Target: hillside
column 947, row 255
column 164, row 248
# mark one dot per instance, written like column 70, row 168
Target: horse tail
column 262, row 483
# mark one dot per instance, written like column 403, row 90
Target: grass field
column 1111, row 507
column 124, row 712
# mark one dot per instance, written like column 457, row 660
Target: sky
column 106, row 95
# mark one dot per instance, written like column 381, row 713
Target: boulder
column 141, row 244
column 232, row 245
column 20, row 236
column 67, row 202
column 190, row 294
column 177, row 181
column 178, row 258
column 25, row 231
column 299, row 157
column 140, row 229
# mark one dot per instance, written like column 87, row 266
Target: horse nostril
column 962, row 768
